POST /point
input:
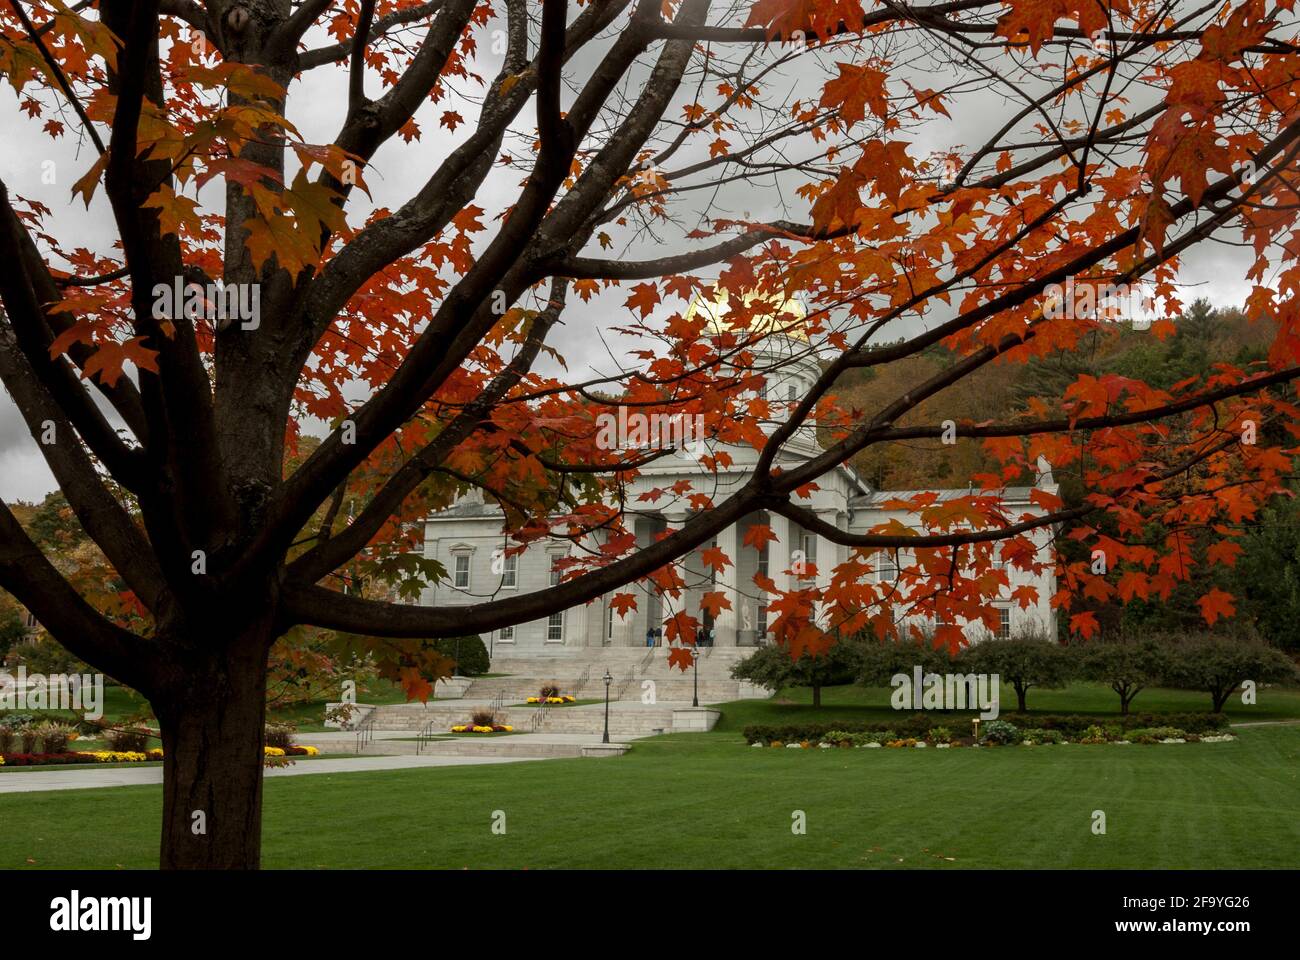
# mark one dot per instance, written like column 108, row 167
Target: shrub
column 469, row 653
column 1044, row 736
column 29, row 737
column 1157, row 733
column 939, row 735
column 128, row 740
column 1093, row 734
column 7, row 738
column 1219, row 665
column 884, row 736
column 55, row 736
column 879, row 661
column 1026, row 660
column 1125, row 664
column 837, row 737
column 483, row 717
column 772, row 666
column 551, row 689
column 1000, row 731
column 280, row 735
column 1071, row 726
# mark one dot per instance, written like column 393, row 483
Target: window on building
column 1004, row 623
column 510, row 572
column 555, row 622
column 887, row 566
column 507, row 635
column 461, row 577
column 790, row 392
column 808, row 545
column 611, row 618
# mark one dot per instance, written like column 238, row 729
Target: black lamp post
column 695, row 671
column 608, row 680
column 456, row 673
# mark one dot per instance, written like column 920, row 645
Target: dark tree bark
column 212, row 718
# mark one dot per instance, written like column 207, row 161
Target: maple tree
column 1120, row 135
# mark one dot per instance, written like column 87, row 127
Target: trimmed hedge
column 919, row 723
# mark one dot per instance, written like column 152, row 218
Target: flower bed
column 556, row 701
column 482, row 728
column 125, row 756
column 920, row 724
column 996, row 733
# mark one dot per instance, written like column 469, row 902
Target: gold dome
column 772, row 313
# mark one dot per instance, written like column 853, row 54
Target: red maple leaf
column 1215, row 604
column 683, row 658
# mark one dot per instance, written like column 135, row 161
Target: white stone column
column 576, row 620
column 728, row 622
column 673, row 605
column 827, row 560
column 778, row 552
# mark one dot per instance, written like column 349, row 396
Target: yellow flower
column 508, row 728
column 311, row 751
column 273, row 751
column 460, row 728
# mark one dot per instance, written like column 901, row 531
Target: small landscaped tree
column 469, row 653
column 772, row 666
column 1219, row 665
column 1126, row 665
column 1026, row 660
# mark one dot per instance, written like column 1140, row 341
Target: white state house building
column 468, row 537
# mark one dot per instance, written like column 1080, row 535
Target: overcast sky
column 586, row 339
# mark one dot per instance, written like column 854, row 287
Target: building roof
column 877, row 498
column 467, row 510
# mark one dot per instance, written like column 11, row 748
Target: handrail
column 366, row 731
column 582, row 679
column 425, row 735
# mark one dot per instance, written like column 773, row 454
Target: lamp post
column 608, row 680
column 457, row 671
column 695, row 672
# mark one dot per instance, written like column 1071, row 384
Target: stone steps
column 589, row 719
column 680, row 687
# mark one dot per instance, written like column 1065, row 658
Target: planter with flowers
column 483, row 721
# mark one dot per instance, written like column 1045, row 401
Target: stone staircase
column 625, row 721
column 580, row 672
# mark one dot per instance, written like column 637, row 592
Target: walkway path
column 28, row 781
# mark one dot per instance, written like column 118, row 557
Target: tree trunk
column 1020, row 698
column 213, row 726
column 1220, row 698
column 817, row 695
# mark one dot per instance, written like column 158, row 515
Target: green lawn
column 707, row 800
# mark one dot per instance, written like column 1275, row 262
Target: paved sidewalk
column 26, row 781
